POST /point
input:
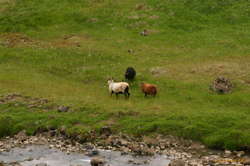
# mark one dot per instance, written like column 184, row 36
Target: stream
column 43, row 155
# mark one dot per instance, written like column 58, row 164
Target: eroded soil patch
column 20, row 40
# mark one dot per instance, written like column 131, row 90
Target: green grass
column 192, row 41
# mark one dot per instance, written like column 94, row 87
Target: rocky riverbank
column 179, row 152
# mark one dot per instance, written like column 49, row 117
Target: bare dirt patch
column 17, row 39
column 4, row 4
column 31, row 103
column 67, row 41
column 13, row 40
column 158, row 71
column 236, row 69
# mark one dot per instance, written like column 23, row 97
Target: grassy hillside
column 65, row 50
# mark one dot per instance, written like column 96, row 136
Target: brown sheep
column 149, row 89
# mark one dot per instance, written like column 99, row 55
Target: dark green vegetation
column 65, row 50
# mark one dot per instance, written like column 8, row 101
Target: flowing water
column 43, row 155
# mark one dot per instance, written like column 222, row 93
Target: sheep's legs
column 127, row 94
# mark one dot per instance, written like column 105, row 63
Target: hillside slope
column 65, row 51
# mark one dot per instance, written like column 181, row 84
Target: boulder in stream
column 97, row 161
column 177, row 163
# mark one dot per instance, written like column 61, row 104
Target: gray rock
column 42, row 164
column 63, row 108
column 106, row 131
column 246, row 161
column 131, row 51
column 240, row 153
column 21, row 135
column 227, row 153
column 221, row 85
column 144, row 32
column 29, row 159
column 11, row 164
column 177, row 163
column 93, row 153
column 97, row 161
column 123, row 142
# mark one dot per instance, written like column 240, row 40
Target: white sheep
column 118, row 88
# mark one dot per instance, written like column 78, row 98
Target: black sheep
column 130, row 73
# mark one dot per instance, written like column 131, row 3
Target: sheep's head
column 110, row 81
